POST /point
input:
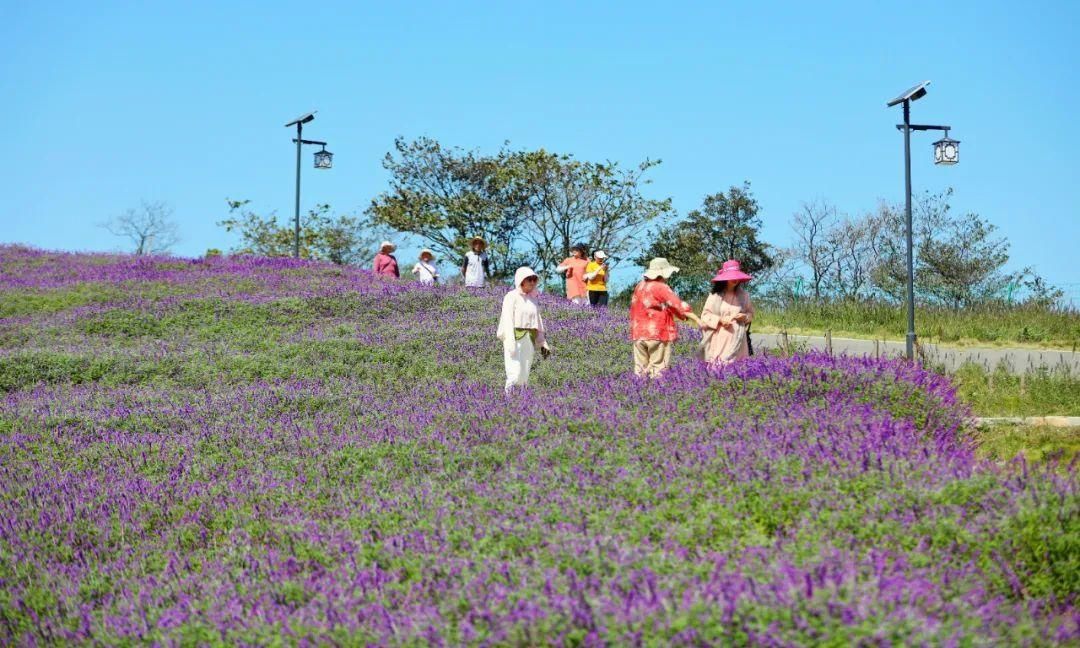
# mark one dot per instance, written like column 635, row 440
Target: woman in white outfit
column 425, row 270
column 476, row 266
column 521, row 329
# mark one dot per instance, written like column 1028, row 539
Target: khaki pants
column 651, row 357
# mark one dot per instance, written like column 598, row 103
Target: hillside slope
column 236, row 451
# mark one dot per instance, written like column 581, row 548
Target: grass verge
column 1023, row 326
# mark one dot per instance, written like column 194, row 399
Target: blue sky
column 109, row 103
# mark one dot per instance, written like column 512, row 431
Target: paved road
column 1016, row 360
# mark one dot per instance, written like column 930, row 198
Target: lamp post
column 946, row 151
column 323, row 160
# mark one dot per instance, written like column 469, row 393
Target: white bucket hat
column 600, row 254
column 659, row 267
column 523, row 273
column 387, row 244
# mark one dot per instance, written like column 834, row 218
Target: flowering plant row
column 244, row 451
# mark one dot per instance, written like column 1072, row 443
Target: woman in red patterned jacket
column 653, row 310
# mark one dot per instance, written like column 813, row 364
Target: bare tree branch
column 149, row 228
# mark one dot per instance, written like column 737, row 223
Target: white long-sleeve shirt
column 426, row 272
column 519, row 311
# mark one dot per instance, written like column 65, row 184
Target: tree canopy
column 531, row 206
column 725, row 227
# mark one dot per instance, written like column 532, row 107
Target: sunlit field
column 253, row 451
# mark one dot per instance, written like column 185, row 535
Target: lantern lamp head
column 324, row 159
column 946, row 150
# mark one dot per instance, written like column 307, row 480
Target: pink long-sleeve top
column 386, row 264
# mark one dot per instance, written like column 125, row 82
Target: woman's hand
column 741, row 318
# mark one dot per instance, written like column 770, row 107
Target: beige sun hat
column 659, row 267
column 426, row 252
column 387, row 244
column 480, row 240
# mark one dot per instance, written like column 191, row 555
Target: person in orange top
column 653, row 310
column 574, row 267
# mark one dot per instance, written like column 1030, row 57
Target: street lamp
column 323, row 160
column 946, row 151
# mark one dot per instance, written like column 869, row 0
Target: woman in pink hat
column 727, row 316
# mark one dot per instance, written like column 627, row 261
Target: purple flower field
column 250, row 451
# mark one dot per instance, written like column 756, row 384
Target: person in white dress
column 475, row 269
column 425, row 270
column 521, row 329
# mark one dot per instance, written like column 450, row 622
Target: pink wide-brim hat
column 730, row 271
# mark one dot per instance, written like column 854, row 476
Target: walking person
column 596, row 275
column 476, row 268
column 521, row 329
column 725, row 319
column 425, row 269
column 385, row 263
column 654, row 308
column 574, row 266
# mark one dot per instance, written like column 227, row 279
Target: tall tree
column 812, row 224
column 447, row 196
column 149, row 227
column 929, row 213
column 566, row 201
column 726, row 227
column 852, row 249
column 962, row 262
column 958, row 259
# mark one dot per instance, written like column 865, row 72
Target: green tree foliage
column 959, row 259
column 929, row 216
column 963, row 262
column 568, row 201
column 726, row 227
column 342, row 239
column 531, row 206
column 447, row 196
